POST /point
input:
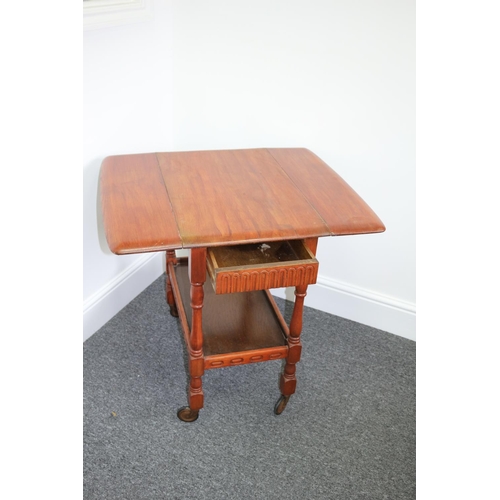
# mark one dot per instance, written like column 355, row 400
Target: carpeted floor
column 348, row 433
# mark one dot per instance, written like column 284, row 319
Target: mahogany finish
column 250, row 198
column 336, row 202
column 161, row 201
column 197, row 273
column 232, row 323
column 252, row 219
column 170, row 258
column 276, row 264
column 136, row 208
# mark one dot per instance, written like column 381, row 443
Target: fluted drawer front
column 262, row 266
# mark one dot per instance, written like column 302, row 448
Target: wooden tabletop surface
column 160, row 201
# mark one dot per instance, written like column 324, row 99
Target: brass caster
column 280, row 405
column 187, row 415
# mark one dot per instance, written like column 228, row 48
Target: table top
column 162, row 201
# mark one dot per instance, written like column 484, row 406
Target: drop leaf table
column 251, row 220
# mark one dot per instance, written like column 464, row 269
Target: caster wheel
column 174, row 312
column 280, row 405
column 187, row 415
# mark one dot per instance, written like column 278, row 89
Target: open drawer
column 260, row 266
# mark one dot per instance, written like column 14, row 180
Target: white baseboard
column 101, row 306
column 360, row 305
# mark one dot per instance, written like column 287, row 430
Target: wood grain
column 336, row 202
column 235, row 196
column 163, row 201
column 136, row 209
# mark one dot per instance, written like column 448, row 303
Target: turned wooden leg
column 288, row 381
column 197, row 274
column 170, row 257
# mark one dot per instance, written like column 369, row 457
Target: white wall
column 337, row 77
column 127, row 109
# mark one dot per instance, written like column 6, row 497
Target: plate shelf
column 238, row 328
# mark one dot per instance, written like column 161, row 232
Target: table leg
column 171, row 257
column 288, row 381
column 197, row 276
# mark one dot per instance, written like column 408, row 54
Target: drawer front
column 245, row 268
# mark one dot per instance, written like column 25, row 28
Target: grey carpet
column 347, row 433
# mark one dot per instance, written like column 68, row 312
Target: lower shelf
column 238, row 328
